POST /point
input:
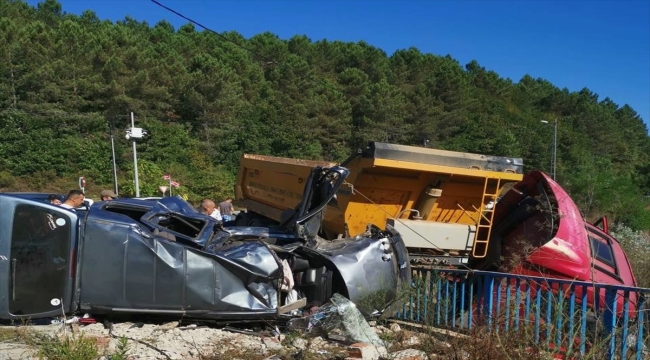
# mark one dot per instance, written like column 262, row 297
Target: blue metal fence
column 570, row 317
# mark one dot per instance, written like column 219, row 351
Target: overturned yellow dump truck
column 441, row 202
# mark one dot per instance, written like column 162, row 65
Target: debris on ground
column 340, row 320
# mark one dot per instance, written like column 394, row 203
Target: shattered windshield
column 175, row 216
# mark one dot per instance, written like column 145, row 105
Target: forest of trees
column 206, row 98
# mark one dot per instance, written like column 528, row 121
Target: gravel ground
column 174, row 341
column 168, row 341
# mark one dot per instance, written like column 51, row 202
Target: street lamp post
column 134, row 134
column 113, row 158
column 554, row 159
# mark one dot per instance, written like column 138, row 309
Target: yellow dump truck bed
column 437, row 199
column 269, row 185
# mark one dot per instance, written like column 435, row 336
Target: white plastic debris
column 340, row 316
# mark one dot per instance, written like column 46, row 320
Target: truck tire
column 255, row 221
column 242, row 219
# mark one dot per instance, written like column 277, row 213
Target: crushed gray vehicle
column 163, row 258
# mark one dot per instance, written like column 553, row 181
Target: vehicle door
column 609, row 259
column 320, row 189
column 37, row 261
column 611, row 266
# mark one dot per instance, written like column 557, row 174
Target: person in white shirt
column 74, row 199
column 209, row 208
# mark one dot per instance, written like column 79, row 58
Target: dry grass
column 486, row 344
column 62, row 347
column 12, row 334
column 331, row 351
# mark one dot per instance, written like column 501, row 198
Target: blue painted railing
column 570, row 317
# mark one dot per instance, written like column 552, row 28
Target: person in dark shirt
column 226, row 209
column 54, row 199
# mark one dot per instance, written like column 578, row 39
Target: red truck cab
column 542, row 227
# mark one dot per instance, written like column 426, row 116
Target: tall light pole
column 554, row 159
column 135, row 134
column 113, row 158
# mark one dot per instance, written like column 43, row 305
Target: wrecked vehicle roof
column 172, row 215
column 162, row 257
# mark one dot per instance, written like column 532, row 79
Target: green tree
column 208, row 98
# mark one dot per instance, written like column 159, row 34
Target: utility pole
column 554, row 156
column 113, row 157
column 135, row 160
column 554, row 148
column 135, row 134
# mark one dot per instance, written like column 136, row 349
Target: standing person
column 54, row 199
column 226, row 209
column 208, row 207
column 108, row 195
column 74, row 199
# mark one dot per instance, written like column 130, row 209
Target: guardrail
column 569, row 317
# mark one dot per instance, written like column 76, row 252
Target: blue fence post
column 508, row 304
column 538, row 306
column 559, row 313
column 640, row 318
column 517, row 303
column 626, row 318
column 447, row 300
column 549, row 312
column 470, row 321
column 411, row 302
column 610, row 319
column 498, row 303
column 527, row 307
column 455, row 299
column 488, row 296
column 583, row 320
column 434, row 278
column 462, row 302
column 438, row 298
column 572, row 314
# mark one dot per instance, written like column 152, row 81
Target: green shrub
column 65, row 348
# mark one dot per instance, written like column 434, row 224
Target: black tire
column 255, row 221
column 250, row 219
column 242, row 219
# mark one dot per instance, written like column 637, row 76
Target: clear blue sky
column 598, row 44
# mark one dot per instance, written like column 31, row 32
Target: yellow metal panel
column 386, row 182
column 279, row 190
column 385, row 204
column 445, row 169
column 458, row 203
